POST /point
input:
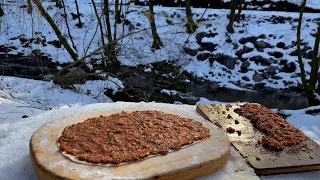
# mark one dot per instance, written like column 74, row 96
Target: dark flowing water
column 281, row 100
column 278, row 99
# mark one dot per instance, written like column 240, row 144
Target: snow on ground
column 17, row 25
column 11, row 111
column 310, row 3
column 46, row 95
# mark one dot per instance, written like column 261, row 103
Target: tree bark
column 117, row 11
column 67, row 24
column 191, row 26
column 233, row 5
column 303, row 74
column 111, row 50
column 315, row 63
column 240, row 10
column 63, row 40
column 80, row 24
column 29, row 9
column 156, row 39
column 1, row 11
column 116, row 18
column 107, row 14
column 99, row 21
column 58, row 4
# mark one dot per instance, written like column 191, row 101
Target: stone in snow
column 257, row 77
column 228, row 61
column 260, row 44
column 245, row 78
column 244, row 66
column 191, row 52
column 273, row 69
column 203, row 56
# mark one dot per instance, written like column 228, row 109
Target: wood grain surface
column 197, row 160
column 265, row 162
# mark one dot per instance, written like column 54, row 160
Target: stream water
column 281, row 100
column 276, row 99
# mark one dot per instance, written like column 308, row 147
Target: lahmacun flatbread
column 127, row 137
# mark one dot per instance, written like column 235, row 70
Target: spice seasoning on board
column 279, row 133
column 125, row 137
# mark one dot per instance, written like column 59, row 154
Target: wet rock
column 229, row 40
column 248, row 39
column 260, row 85
column 212, row 87
column 208, row 46
column 303, row 51
column 257, row 77
column 191, row 52
column 267, row 62
column 276, row 54
column 281, row 45
column 247, row 49
column 55, row 43
column 203, row 56
column 131, row 27
column 266, row 75
column 276, row 77
column 262, row 36
column 244, row 66
column 127, row 22
column 273, row 69
column 283, row 62
column 245, row 78
column 289, row 67
column 228, row 61
column 260, row 49
column 257, row 59
column 260, row 44
column 200, row 36
column 308, row 55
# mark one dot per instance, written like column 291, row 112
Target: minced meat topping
column 279, row 132
column 127, row 136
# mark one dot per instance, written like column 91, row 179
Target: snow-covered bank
column 46, row 95
column 262, row 49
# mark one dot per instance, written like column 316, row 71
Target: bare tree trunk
column 303, row 74
column 58, row 4
column 107, row 14
column 191, row 26
column 63, row 40
column 117, row 12
column 116, row 18
column 67, row 24
column 240, row 10
column 99, row 21
column 1, row 11
column 29, row 7
column 314, row 63
column 156, row 39
column 233, row 5
column 80, row 24
column 111, row 50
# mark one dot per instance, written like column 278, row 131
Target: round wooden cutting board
column 197, row 160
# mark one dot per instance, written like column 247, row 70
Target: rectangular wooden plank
column 264, row 162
